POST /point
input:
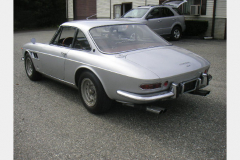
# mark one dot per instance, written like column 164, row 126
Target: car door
column 78, row 55
column 153, row 20
column 53, row 58
column 167, row 20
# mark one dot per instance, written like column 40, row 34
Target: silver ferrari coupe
column 115, row 60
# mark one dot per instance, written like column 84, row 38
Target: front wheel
column 176, row 33
column 30, row 69
column 92, row 94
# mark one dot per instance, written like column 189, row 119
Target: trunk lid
column 174, row 3
column 167, row 61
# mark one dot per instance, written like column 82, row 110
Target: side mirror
column 149, row 16
column 33, row 40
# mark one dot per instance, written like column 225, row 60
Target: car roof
column 153, row 6
column 88, row 24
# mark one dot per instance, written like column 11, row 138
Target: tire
column 30, row 69
column 92, row 94
column 176, row 33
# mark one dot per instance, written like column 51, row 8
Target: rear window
column 178, row 11
column 123, row 38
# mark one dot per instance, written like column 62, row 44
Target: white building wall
column 221, row 11
column 70, row 14
column 103, row 6
column 103, row 11
column 209, row 9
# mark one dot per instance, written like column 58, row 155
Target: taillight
column 165, row 84
column 206, row 71
column 150, row 86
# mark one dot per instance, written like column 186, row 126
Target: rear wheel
column 92, row 94
column 30, row 69
column 176, row 33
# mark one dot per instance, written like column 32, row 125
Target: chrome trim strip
column 150, row 98
column 174, row 90
column 47, row 54
column 144, row 98
column 199, row 82
column 60, row 80
column 204, row 79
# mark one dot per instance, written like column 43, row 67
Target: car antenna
column 91, row 16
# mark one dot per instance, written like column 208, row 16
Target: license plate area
column 189, row 86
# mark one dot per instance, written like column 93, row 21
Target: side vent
column 195, row 10
column 35, row 55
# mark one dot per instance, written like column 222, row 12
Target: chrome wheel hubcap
column 176, row 34
column 88, row 91
column 29, row 66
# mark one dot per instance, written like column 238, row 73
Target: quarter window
column 65, row 37
column 165, row 12
column 81, row 42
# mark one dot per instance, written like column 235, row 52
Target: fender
column 83, row 68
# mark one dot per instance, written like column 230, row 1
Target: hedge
column 195, row 27
column 37, row 14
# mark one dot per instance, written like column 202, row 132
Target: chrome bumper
column 175, row 90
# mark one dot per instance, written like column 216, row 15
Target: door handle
column 64, row 54
column 173, row 19
column 159, row 21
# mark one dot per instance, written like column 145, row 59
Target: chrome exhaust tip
column 200, row 92
column 155, row 109
column 152, row 109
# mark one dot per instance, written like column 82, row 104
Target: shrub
column 37, row 14
column 195, row 27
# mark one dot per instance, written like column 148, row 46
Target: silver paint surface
column 125, row 71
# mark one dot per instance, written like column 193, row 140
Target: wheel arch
column 27, row 52
column 177, row 25
column 82, row 69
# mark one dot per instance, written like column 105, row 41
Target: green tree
column 36, row 14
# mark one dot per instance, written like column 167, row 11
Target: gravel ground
column 51, row 123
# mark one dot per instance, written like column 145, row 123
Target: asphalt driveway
column 51, row 123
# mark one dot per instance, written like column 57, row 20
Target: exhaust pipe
column 201, row 92
column 152, row 109
column 155, row 109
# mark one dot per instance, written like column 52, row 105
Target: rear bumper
column 174, row 92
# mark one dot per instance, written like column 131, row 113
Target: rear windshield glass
column 178, row 11
column 122, row 38
column 136, row 13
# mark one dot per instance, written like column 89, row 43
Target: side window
column 155, row 13
column 65, row 37
column 81, row 41
column 165, row 12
